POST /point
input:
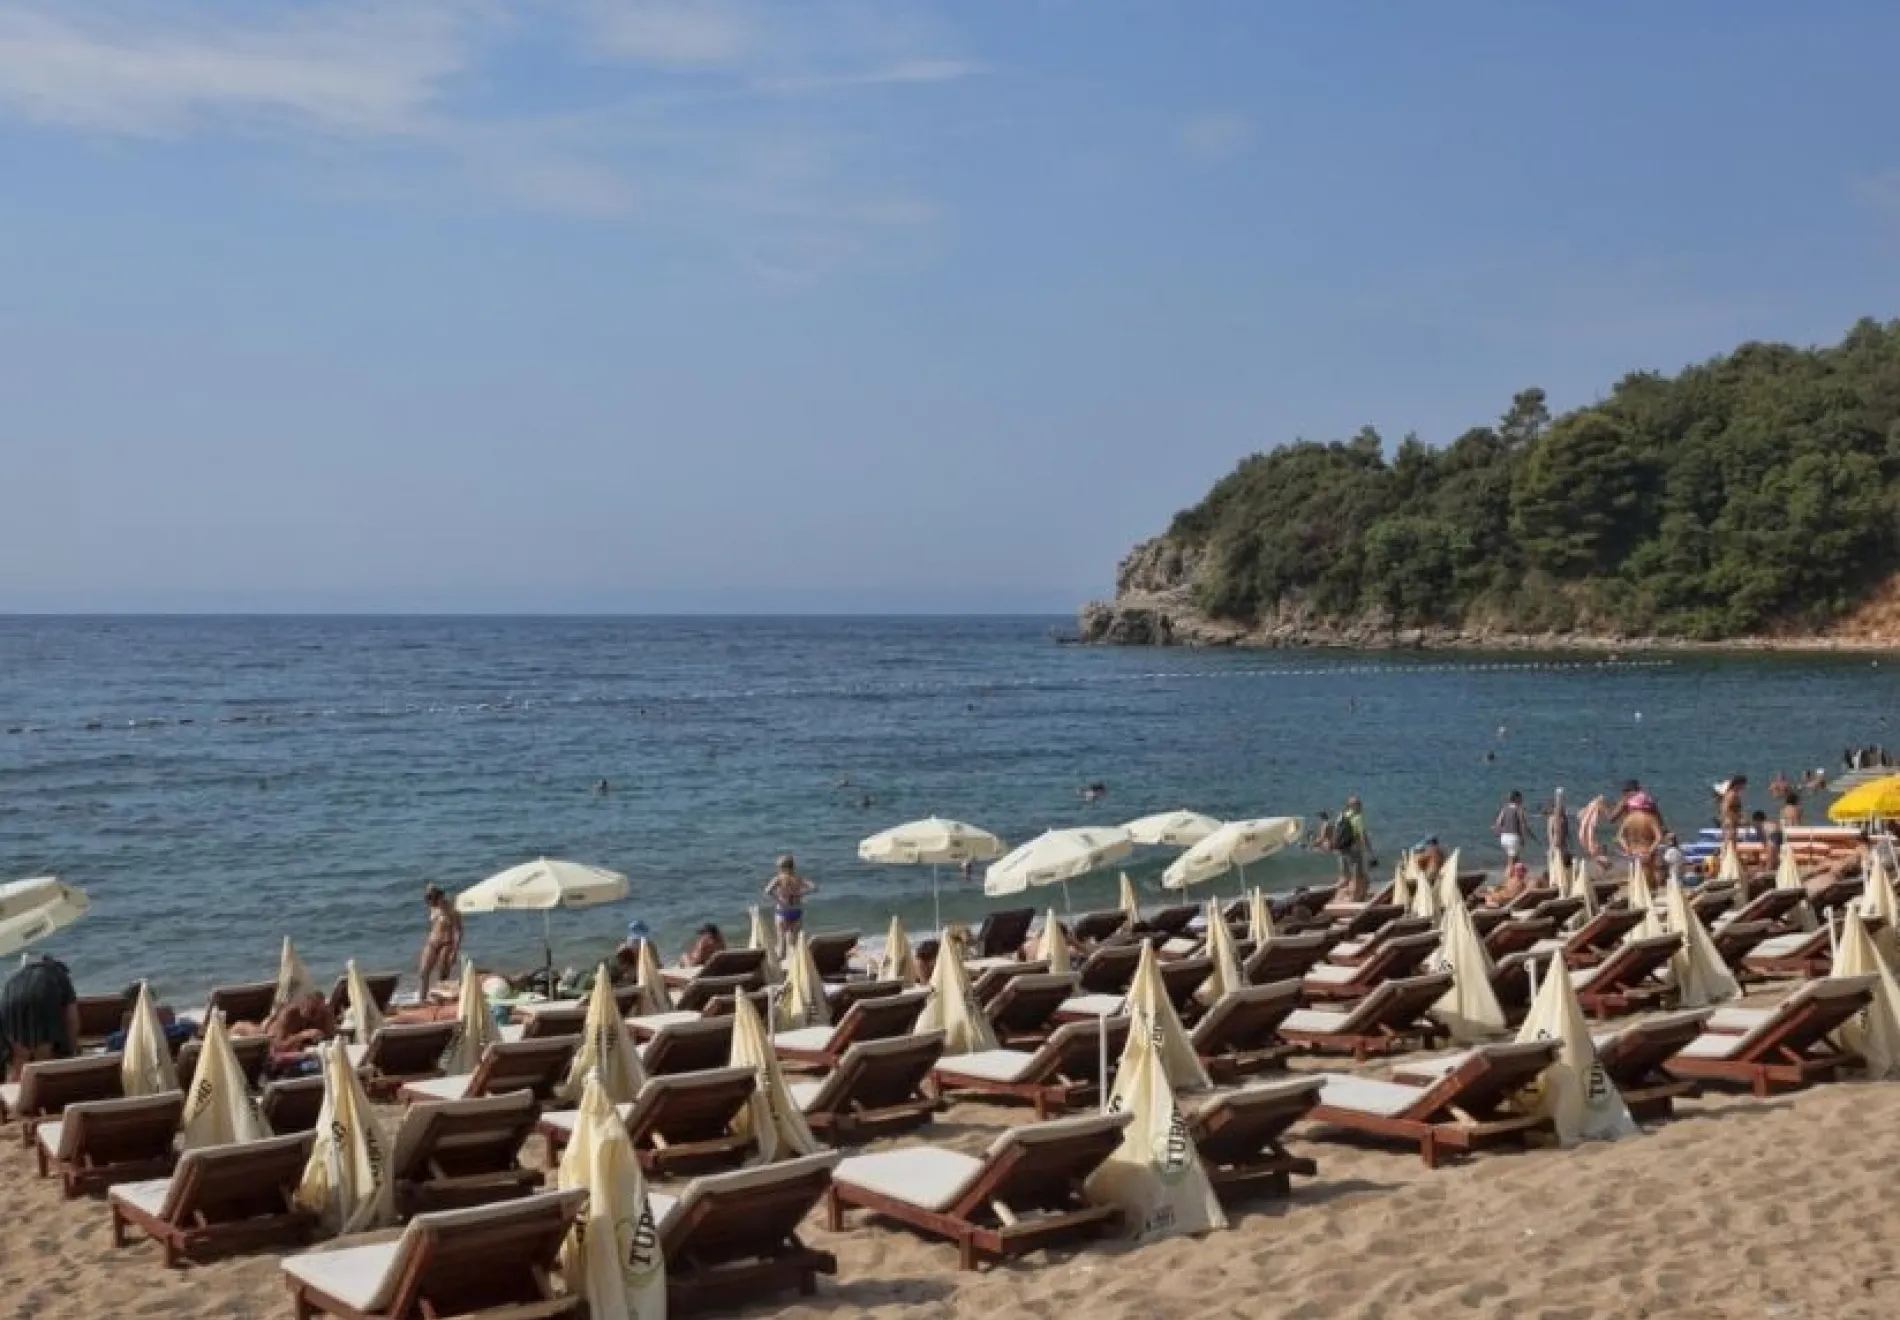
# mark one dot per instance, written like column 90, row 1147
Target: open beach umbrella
column 364, row 1017
column 31, row 910
column 952, row 1007
column 898, row 961
column 146, row 1066
column 1470, row 1009
column 931, row 842
column 1130, row 903
column 1052, row 948
column 607, row 1056
column 612, row 1255
column 1574, row 1091
column 1877, row 799
column 764, row 938
column 1151, row 1012
column 1232, row 847
column 1873, row 1034
column 772, row 1117
column 801, row 1001
column 657, row 996
column 541, row 886
column 219, row 1111
column 1700, row 975
column 346, row 1182
column 1057, row 857
column 1172, row 829
column 1226, row 975
column 475, row 1028
column 293, row 978
column 1259, row 917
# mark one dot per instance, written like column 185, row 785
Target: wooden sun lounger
column 1365, row 918
column 1094, row 927
column 1394, row 960
column 841, row 997
column 1180, row 978
column 1109, row 970
column 1511, row 979
column 1239, row 1137
column 699, row 994
column 1712, row 901
column 1459, row 1112
column 1240, row 1033
column 1558, row 910
column 248, row 1002
column 1797, row 953
column 747, row 964
column 220, row 1199
column 1002, row 933
column 1352, row 952
column 731, row 1239
column 831, row 953
column 876, row 1090
column 1172, row 921
column 1772, row 906
column 292, row 1104
column 690, row 1046
column 1635, row 1057
column 1286, row 957
column 1391, row 1018
column 1516, row 934
column 1787, row 1047
column 1735, row 940
column 1024, row 1011
column 456, row 1153
column 541, row 1021
column 1622, row 982
column 95, row 1143
column 868, row 1019
column 47, row 1086
column 99, row 1017
column 1831, row 892
column 993, row 978
column 522, row 1065
column 1024, row 1192
column 381, row 987
column 1062, row 1073
column 680, row 1124
column 1600, row 936
column 449, row 1263
column 252, row 1053
column 400, row 1053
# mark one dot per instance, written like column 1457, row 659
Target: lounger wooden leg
column 1760, row 1084
column 118, row 1227
column 1428, row 1148
column 966, row 1251
column 834, row 1210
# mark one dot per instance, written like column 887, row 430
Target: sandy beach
column 1777, row 1209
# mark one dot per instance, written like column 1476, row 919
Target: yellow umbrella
column 763, row 937
column 1053, row 949
column 772, row 1117
column 364, row 1017
column 1131, row 906
column 346, row 1181
column 1259, row 917
column 952, row 1007
column 1880, row 798
column 293, row 978
column 1226, row 975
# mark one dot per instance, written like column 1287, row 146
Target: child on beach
column 788, row 890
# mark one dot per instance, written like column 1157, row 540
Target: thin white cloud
column 677, row 34
column 905, row 73
column 1212, row 138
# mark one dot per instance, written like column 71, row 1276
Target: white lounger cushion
column 1786, row 946
column 804, row 1038
column 984, row 964
column 1384, row 1099
column 148, row 1196
column 928, row 1177
column 9, row 1097
column 1713, row 1046
column 1332, row 973
column 657, row 1022
column 1353, row 948
column 992, row 1065
column 1731, row 1020
column 804, row 1092
column 564, row 1119
column 1094, row 1005
column 444, row 1088
column 1316, row 1020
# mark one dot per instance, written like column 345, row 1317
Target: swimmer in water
column 603, row 788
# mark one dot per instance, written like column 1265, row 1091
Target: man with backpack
column 1351, row 843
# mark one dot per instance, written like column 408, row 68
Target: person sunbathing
column 706, row 942
column 299, row 1024
column 1517, row 880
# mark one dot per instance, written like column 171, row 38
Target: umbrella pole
column 1101, row 1038
column 936, row 901
column 547, row 946
column 1530, row 970
column 1068, row 904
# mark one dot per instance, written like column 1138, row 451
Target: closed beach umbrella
column 1259, row 917
column 762, row 937
column 612, row 1255
column 293, row 978
column 952, row 1007
column 146, row 1066
column 1234, row 846
column 1788, row 876
column 1728, row 869
column 606, row 1055
column 1403, row 886
column 1226, row 976
column 1151, row 1012
column 1574, row 1092
column 364, row 1017
column 1057, row 857
column 772, row 1117
column 653, row 988
column 1878, row 900
column 1131, row 905
column 1053, row 948
column 801, row 1003
column 1700, row 975
column 931, row 842
column 1428, row 898
column 1878, row 799
column 1642, row 899
column 346, row 1181
column 219, row 1112
column 1172, row 829
column 1155, row 1175
column 541, row 886
column 1559, row 871
column 1470, row 1009
column 899, row 962
column 31, row 910
column 475, row 1028
column 1875, row 1033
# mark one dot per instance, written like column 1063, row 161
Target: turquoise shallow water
column 217, row 783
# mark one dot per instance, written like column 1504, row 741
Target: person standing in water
column 1731, row 809
column 443, row 944
column 1351, row 843
column 1587, row 822
column 1639, row 826
column 1557, row 827
column 788, row 890
column 1512, row 826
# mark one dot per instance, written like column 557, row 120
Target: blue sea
column 218, row 783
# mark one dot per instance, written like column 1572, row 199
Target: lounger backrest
column 1770, row 905
column 1558, row 910
column 458, row 1261
column 381, row 987
column 100, row 1015
column 251, row 1053
column 1807, row 1015
column 554, row 1022
column 1285, row 956
column 1027, row 1002
column 879, row 1073
column 704, row 988
column 1173, row 920
column 851, row 992
column 881, row 1018
column 831, row 951
column 1605, row 929
column 727, row 1004
column 524, row 1065
column 293, row 1105
column 1041, row 1165
column 1396, row 958
column 49, row 1085
column 1242, row 1017
column 1002, row 933
column 1489, row 1075
column 747, row 963
column 457, row 1137
column 408, row 1049
column 1634, row 1053
column 1370, row 917
column 123, row 1130
column 1515, row 933
column 1634, row 961
column 1396, row 1003
column 1093, row 926
column 249, row 1002
column 1109, row 969
column 1235, row 1125
column 995, row 978
column 1074, row 1049
column 223, row 1184
column 747, row 1213
column 695, row 1106
column 689, row 1047
column 1181, row 977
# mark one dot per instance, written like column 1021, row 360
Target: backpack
column 1344, row 836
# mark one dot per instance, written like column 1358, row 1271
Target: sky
column 850, row 305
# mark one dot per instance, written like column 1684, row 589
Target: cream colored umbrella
column 1155, row 1174
column 607, row 1055
column 762, row 937
column 1428, row 899
column 656, row 996
column 1470, row 1009
column 931, row 842
column 1788, row 876
column 801, row 1002
column 952, row 1007
column 612, row 1255
column 771, row 1117
column 1226, row 976
column 1728, row 869
column 1172, row 829
column 146, row 1066
column 1575, row 1091
column 1130, row 903
column 293, row 978
column 541, row 886
column 1259, row 917
column 1559, row 871
column 364, row 1018
column 1878, row 900
column 1404, row 888
column 1151, row 1012
column 1643, row 899
column 475, row 1028
column 1874, row 1033
column 1700, row 975
column 219, row 1110
column 1053, row 948
column 1057, row 857
column 898, row 962
column 31, row 910
column 1233, row 847
column 346, row 1182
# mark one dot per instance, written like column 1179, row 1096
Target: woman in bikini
column 788, row 890
column 443, row 944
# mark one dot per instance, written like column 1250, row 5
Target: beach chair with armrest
column 1796, row 953
column 1516, row 934
column 1394, row 960
column 747, row 964
column 1625, row 981
column 1634, row 1058
column 251, row 1052
column 1025, row 1191
column 1239, row 1136
column 95, row 1143
column 1394, row 1016
column 831, row 953
column 1461, row 1111
column 292, row 1104
column 1094, row 927
column 400, row 1053
column 99, row 1017
column 381, row 987
column 455, row 1153
column 1002, row 933
column 1109, row 969
column 47, row 1086
column 522, row 1065
column 1785, row 1047
column 1352, row 952
column 690, row 1046
column 1240, row 1033
column 220, row 1199
column 1286, row 957
column 1598, row 937
column 490, row 1258
column 1063, row 1072
column 731, row 1239
column 867, row 1019
column 840, row 997
column 876, row 1090
column 680, row 1124
column 990, row 980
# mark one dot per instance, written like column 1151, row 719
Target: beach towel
column 1574, row 1092
column 219, row 1110
column 952, row 1008
column 801, row 1000
column 612, row 1256
column 346, row 1183
column 1696, row 969
column 607, row 1054
column 146, row 1067
column 772, row 1118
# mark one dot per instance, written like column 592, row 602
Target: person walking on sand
column 442, row 945
column 1512, row 826
column 788, row 891
column 1639, row 826
column 1731, row 810
column 1350, row 841
column 1588, row 821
